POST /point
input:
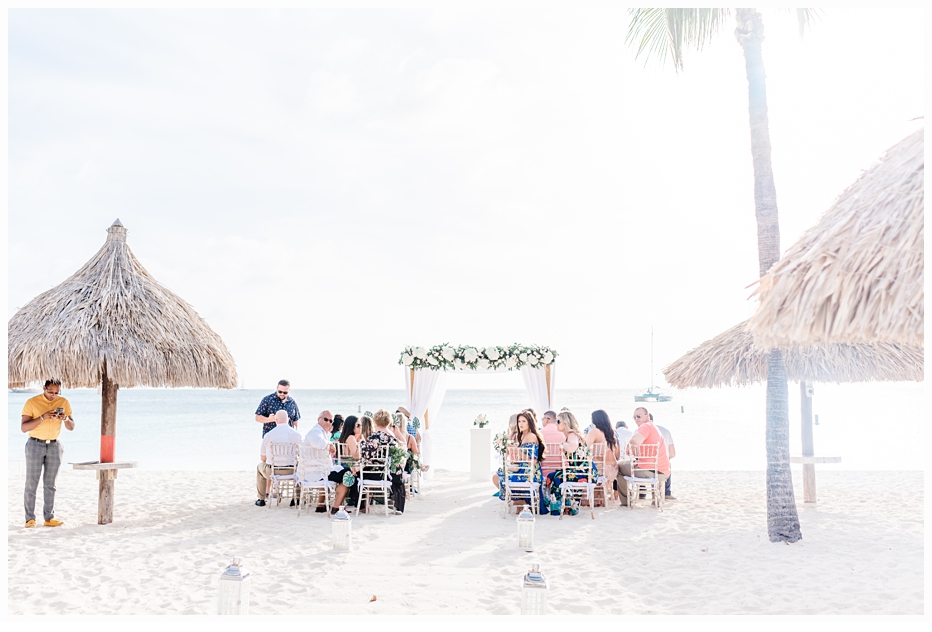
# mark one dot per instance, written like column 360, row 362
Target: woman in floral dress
column 576, row 451
column 383, row 437
column 528, row 436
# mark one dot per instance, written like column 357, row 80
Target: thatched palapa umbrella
column 112, row 324
column 857, row 275
column 732, row 359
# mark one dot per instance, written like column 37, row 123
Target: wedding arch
column 426, row 369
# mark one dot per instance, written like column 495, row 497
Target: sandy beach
column 452, row 553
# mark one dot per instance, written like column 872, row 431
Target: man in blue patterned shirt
column 271, row 404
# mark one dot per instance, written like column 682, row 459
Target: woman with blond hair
column 380, row 438
column 575, row 448
column 512, row 434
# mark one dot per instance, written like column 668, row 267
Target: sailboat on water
column 651, row 395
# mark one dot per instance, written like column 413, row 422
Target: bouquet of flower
column 480, row 421
column 398, row 455
column 500, row 442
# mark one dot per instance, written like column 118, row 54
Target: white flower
column 532, row 360
column 482, row 363
column 407, row 359
column 432, row 361
column 523, row 357
column 510, row 362
column 459, row 364
column 492, row 353
column 448, row 353
column 421, row 353
column 548, row 357
column 470, row 355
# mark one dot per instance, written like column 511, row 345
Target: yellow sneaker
column 30, row 524
column 53, row 523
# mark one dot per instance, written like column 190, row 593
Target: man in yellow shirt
column 43, row 416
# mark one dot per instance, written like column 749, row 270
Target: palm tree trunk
column 782, row 519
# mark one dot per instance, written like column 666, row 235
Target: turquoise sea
column 204, row 429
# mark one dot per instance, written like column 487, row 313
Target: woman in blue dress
column 528, row 436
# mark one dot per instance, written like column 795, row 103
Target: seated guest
column 281, row 433
column 671, row 452
column 602, row 433
column 575, row 448
column 350, row 436
column 319, row 437
column 646, row 433
column 399, row 429
column 337, row 428
column 383, row 437
column 549, row 431
column 409, row 425
column 528, row 436
column 622, row 435
column 366, row 426
column 512, row 434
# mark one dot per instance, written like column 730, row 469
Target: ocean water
column 713, row 429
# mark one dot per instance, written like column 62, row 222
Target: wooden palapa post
column 107, row 477
column 809, row 485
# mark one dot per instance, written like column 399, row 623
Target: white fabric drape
column 427, row 395
column 535, row 380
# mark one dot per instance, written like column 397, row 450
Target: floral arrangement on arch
column 444, row 357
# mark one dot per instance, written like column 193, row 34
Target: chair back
column 578, row 465
column 314, row 464
column 282, row 454
column 344, row 457
column 645, row 456
column 552, row 459
column 598, row 451
column 519, row 464
column 377, row 463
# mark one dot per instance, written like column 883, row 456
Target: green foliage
column 662, row 34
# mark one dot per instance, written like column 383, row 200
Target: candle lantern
column 341, row 528
column 534, row 592
column 526, row 530
column 234, row 589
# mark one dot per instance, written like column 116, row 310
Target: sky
column 328, row 186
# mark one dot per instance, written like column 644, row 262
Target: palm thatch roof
column 857, row 275
column 112, row 313
column 732, row 359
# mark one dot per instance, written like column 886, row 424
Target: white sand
column 452, row 553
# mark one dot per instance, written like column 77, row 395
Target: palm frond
column 806, row 17
column 663, row 33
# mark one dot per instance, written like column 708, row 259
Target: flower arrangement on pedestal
column 480, row 421
column 443, row 357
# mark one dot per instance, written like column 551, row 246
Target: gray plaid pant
column 39, row 455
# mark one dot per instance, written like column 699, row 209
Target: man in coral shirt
column 549, row 431
column 646, row 433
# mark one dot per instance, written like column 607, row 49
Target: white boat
column 651, row 395
column 26, row 390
